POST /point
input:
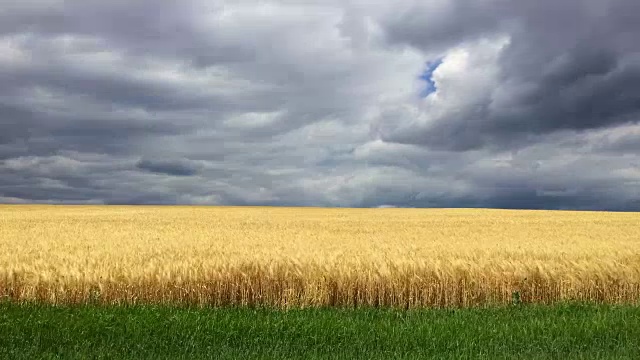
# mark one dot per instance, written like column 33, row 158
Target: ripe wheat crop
column 301, row 257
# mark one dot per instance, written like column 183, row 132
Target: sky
column 337, row 103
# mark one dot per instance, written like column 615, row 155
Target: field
column 311, row 257
column 166, row 332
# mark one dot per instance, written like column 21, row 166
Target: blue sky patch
column 427, row 77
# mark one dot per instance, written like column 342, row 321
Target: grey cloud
column 436, row 25
column 25, row 131
column 52, row 178
column 627, row 145
column 588, row 91
column 318, row 104
column 168, row 167
column 15, row 124
column 158, row 198
column 570, row 65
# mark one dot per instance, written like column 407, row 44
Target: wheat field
column 304, row 257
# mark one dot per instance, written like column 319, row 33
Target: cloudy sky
column 359, row 103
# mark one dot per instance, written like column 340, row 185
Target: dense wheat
column 316, row 257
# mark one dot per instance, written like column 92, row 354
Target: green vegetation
column 29, row 331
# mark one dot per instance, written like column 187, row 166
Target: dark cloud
column 15, row 124
column 144, row 199
column 168, row 167
column 567, row 66
column 436, row 25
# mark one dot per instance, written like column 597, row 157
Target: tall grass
column 302, row 257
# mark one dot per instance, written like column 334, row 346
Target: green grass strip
column 31, row 331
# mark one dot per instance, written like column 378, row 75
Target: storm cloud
column 544, row 67
column 168, row 167
column 438, row 103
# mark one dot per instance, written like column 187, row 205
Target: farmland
column 166, row 332
column 312, row 257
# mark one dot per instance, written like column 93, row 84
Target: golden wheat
column 302, row 257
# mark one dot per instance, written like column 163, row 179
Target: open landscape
column 278, row 179
column 171, row 282
column 312, row 257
